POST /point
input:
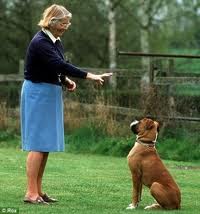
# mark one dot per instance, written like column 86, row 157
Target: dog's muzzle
column 133, row 126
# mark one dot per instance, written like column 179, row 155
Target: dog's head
column 145, row 129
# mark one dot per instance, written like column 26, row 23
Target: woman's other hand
column 71, row 85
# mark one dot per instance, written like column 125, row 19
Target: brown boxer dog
column 147, row 168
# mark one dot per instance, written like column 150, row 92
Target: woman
column 41, row 98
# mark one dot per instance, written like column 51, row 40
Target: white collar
column 51, row 36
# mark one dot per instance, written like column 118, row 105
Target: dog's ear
column 149, row 124
column 133, row 126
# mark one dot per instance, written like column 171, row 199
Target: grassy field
column 88, row 184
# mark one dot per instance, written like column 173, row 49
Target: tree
column 111, row 4
column 99, row 29
column 19, row 26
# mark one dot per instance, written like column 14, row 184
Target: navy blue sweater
column 45, row 61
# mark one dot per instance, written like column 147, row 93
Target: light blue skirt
column 42, row 126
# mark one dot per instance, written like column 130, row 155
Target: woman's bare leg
column 33, row 165
column 41, row 172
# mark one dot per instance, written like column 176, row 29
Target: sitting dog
column 147, row 168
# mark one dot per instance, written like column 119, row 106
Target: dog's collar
column 146, row 143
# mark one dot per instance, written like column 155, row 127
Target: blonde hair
column 53, row 14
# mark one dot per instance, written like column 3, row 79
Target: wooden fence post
column 151, row 71
column 171, row 101
column 21, row 66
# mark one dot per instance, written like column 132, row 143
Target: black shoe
column 48, row 199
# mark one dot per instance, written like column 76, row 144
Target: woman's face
column 60, row 27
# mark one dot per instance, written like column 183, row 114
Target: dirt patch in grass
column 187, row 167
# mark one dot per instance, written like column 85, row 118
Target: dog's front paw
column 131, row 206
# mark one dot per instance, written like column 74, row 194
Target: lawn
column 88, row 184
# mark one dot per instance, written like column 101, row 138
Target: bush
column 184, row 146
column 9, row 139
column 179, row 145
column 93, row 139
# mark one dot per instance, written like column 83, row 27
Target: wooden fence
column 157, row 77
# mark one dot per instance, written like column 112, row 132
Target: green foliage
column 10, row 93
column 17, row 31
column 180, row 143
column 175, row 145
column 189, row 90
column 186, row 65
column 180, row 150
column 91, row 139
column 9, row 139
column 168, row 21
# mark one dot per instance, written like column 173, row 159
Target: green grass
column 190, row 90
column 186, row 65
column 89, row 184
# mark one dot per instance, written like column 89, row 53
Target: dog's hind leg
column 166, row 197
column 163, row 196
column 158, row 192
column 153, row 206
